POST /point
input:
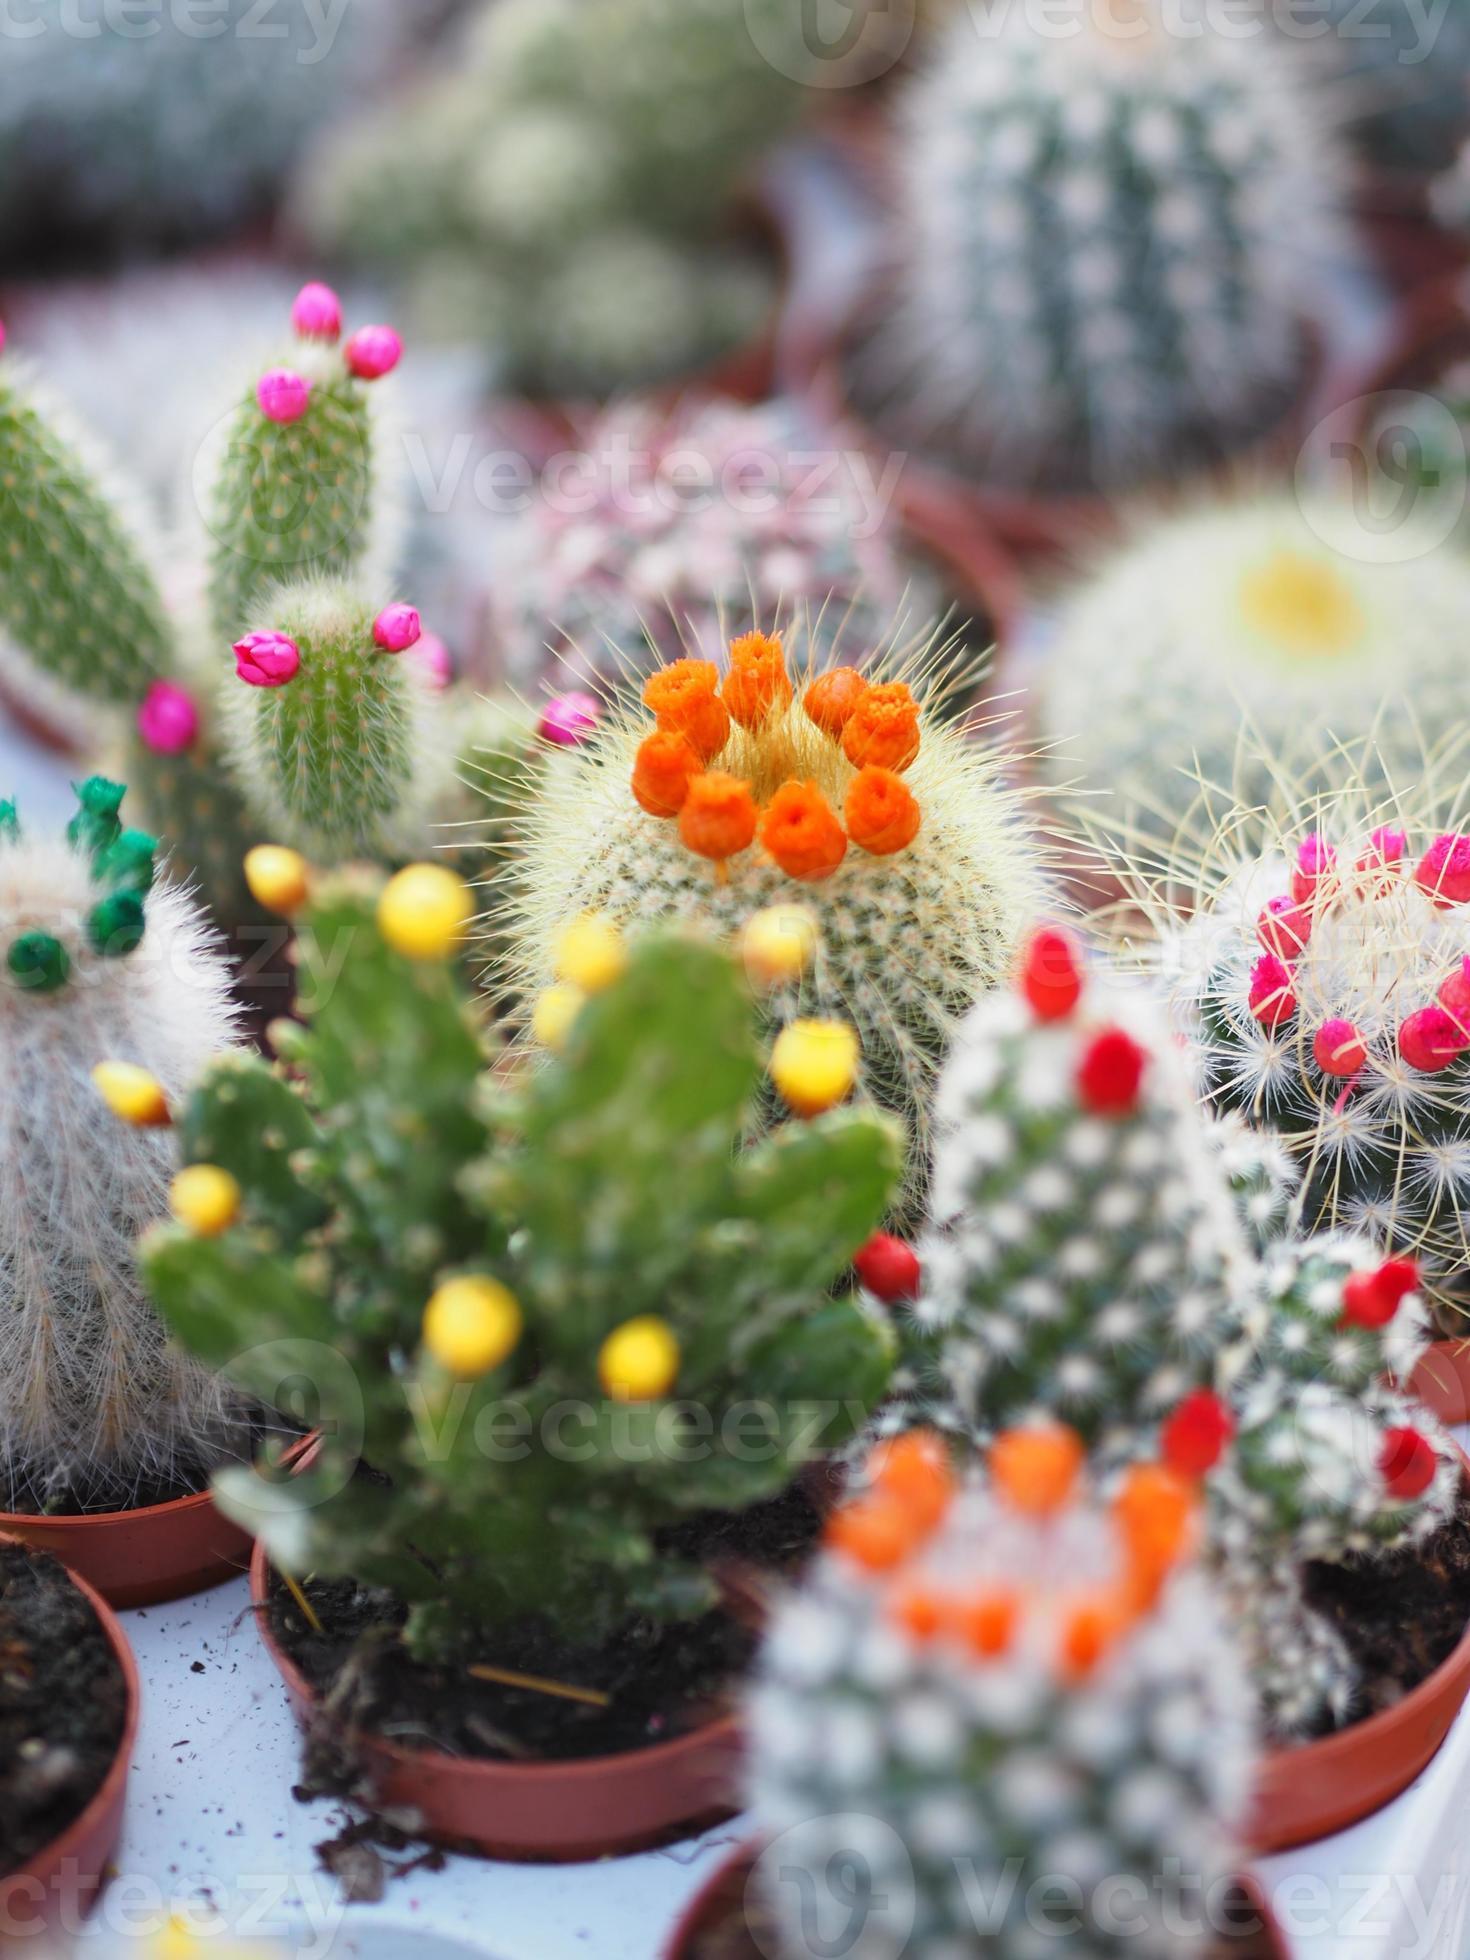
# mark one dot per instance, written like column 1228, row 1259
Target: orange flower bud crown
column 711, row 796
column 977, row 1667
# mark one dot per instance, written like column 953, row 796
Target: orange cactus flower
column 831, row 698
column 883, row 728
column 800, row 832
column 874, row 1532
column 1090, row 1629
column 882, row 813
column 1036, row 1470
column 919, row 1611
column 756, row 686
column 987, row 1622
column 1156, row 1512
column 685, row 700
column 718, row 816
column 915, row 1471
column 663, row 769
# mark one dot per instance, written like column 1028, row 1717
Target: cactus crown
column 985, row 1679
column 487, row 1256
column 1105, row 252
column 713, row 798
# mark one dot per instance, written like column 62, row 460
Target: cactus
column 1102, row 255
column 1400, row 83
column 983, row 1699
column 100, row 969
column 1281, row 614
column 726, row 801
column 585, row 1235
column 766, row 527
column 1084, row 1257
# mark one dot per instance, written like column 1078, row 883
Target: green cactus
column 100, row 969
column 1102, row 256
column 586, row 1234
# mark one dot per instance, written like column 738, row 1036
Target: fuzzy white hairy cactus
column 1084, row 1257
column 1271, row 613
column 1103, row 251
column 1010, row 1685
column 690, row 526
column 98, row 968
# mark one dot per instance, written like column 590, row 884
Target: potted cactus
column 110, row 994
column 885, row 832
column 69, row 1701
column 1101, row 1254
column 561, row 1335
column 954, row 1734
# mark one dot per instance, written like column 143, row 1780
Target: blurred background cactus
column 103, row 973
column 1103, row 259
column 785, row 783
column 576, row 198
column 1397, row 83
column 1015, row 1678
column 587, row 1235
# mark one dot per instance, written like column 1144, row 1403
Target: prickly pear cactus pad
column 983, row 1686
column 713, row 797
column 108, row 987
column 433, row 1243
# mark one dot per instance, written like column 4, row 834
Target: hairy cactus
column 1102, row 253
column 842, row 794
column 692, row 524
column 100, row 969
column 584, row 1238
column 1084, row 1258
column 992, row 1700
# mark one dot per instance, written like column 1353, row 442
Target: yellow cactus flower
column 639, row 1361
column 555, row 1011
column 590, row 954
column 132, row 1094
column 278, row 878
column 778, row 944
column 424, row 911
column 814, row 1064
column 206, row 1199
column 471, row 1325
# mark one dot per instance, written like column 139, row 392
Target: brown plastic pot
column 724, row 1895
column 53, row 1889
column 142, row 1557
column 572, row 1812
column 1441, row 1380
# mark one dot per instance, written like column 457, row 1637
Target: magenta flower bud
column 168, row 721
column 569, row 720
column 283, row 395
column 1444, row 870
column 267, row 659
column 397, row 627
column 433, row 660
column 373, row 352
column 316, row 313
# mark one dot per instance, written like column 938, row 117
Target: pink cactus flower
column 397, row 627
column 267, row 659
column 283, row 394
column 570, row 720
column 372, row 352
column 433, row 660
column 316, row 312
column 168, row 720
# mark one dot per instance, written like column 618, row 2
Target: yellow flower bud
column 554, row 1013
column 278, row 878
column 814, row 1064
column 424, row 911
column 471, row 1325
column 639, row 1361
column 590, row 954
column 132, row 1094
column 778, row 944
column 206, row 1199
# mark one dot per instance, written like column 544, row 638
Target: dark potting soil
column 63, row 1703
column 189, row 1480
column 661, row 1680
column 1401, row 1616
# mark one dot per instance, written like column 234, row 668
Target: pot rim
column 79, row 1521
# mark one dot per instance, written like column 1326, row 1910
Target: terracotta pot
column 724, row 1894
column 1441, row 1381
column 55, row 1887
column 571, row 1812
column 142, row 1557
column 1394, row 214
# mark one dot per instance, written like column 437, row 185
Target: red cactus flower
column 1271, row 998
column 1406, row 1463
column 1444, row 870
column 1051, row 974
column 1110, row 1073
column 1339, row 1048
column 889, row 1268
column 1197, row 1434
column 1284, row 927
column 1372, row 1299
column 1431, row 1039
column 1315, row 858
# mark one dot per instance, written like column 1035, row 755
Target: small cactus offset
column 992, row 1696
column 707, row 518
column 474, row 1254
column 843, row 798
column 1102, row 255
column 1085, row 1259
column 1277, row 614
column 109, row 992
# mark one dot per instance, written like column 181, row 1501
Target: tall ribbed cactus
column 100, row 969
column 1104, row 247
column 982, row 1702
